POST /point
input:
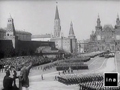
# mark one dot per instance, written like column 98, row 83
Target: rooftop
column 108, row 26
column 17, row 31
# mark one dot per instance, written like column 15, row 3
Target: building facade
column 105, row 37
column 80, row 46
column 42, row 37
column 68, row 44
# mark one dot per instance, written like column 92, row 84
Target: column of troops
column 73, row 63
column 74, row 66
column 96, row 85
column 86, row 82
column 76, row 79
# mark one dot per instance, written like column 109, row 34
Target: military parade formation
column 65, row 68
column 96, row 85
column 87, row 82
column 93, row 81
column 74, row 64
column 76, row 79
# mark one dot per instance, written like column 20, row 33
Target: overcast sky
column 38, row 16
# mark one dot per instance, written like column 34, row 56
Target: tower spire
column 98, row 26
column 71, row 32
column 56, row 13
column 98, row 20
column 57, row 26
column 117, row 21
column 10, row 26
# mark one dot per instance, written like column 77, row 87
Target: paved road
column 96, row 65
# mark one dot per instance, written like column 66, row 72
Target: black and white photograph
column 59, row 44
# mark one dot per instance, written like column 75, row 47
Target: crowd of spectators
column 17, row 62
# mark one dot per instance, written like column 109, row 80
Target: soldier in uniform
column 8, row 81
column 24, row 73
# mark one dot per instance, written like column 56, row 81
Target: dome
column 108, row 27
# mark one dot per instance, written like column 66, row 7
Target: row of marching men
column 76, row 79
column 96, row 85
